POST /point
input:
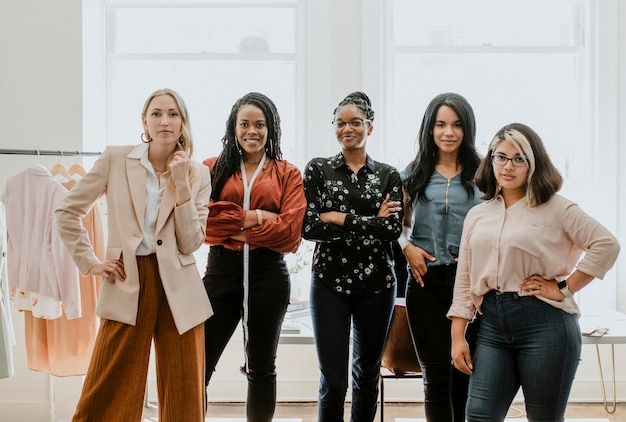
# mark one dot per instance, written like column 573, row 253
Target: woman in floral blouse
column 354, row 213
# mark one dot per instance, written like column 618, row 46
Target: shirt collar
column 338, row 161
column 139, row 151
column 500, row 198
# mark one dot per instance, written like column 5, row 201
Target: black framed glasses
column 502, row 160
column 355, row 123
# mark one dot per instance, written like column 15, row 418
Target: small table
column 592, row 325
column 304, row 334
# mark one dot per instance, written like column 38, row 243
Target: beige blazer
column 180, row 231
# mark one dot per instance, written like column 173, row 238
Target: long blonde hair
column 185, row 142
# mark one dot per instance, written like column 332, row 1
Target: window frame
column 600, row 82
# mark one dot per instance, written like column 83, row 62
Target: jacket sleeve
column 191, row 217
column 284, row 234
column 76, row 204
column 225, row 219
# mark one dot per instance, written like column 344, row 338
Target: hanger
column 60, row 172
column 76, row 169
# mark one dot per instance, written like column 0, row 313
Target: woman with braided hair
column 354, row 213
column 255, row 217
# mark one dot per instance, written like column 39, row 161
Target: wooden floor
column 302, row 412
column 307, row 412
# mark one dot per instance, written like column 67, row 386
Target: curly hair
column 229, row 160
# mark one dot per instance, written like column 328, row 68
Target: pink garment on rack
column 37, row 258
column 64, row 346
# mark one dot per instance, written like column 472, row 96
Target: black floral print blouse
column 358, row 257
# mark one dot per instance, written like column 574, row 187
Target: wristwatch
column 562, row 285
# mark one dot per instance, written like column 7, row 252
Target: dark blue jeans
column 333, row 316
column 523, row 342
column 267, row 304
column 445, row 388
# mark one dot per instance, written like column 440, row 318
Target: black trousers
column 445, row 387
column 268, row 297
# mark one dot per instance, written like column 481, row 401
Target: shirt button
column 159, row 242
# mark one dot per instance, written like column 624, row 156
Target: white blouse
column 154, row 194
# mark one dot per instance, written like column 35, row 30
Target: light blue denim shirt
column 437, row 223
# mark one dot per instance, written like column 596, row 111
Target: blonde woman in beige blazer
column 157, row 202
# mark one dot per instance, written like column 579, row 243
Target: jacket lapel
column 136, row 176
column 168, row 202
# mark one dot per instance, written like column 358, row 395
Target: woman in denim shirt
column 441, row 190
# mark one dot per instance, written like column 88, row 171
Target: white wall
column 41, row 107
column 621, row 150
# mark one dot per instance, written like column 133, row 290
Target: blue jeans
column 267, row 304
column 525, row 342
column 445, row 387
column 333, row 314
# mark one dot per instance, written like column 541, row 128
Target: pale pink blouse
column 501, row 247
column 38, row 261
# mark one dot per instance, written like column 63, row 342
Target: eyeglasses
column 502, row 160
column 356, row 123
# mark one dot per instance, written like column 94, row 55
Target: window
column 534, row 61
column 531, row 61
column 484, row 51
column 212, row 53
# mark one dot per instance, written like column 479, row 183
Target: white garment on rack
column 40, row 305
column 7, row 335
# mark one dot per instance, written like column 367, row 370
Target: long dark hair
column 428, row 152
column 229, row 159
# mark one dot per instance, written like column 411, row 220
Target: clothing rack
column 39, row 152
column 60, row 153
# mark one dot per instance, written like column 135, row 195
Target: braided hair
column 360, row 101
column 229, row 160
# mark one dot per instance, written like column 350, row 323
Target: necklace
column 158, row 172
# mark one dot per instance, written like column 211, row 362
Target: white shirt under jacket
column 179, row 232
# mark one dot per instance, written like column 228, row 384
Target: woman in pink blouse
column 255, row 217
column 519, row 266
